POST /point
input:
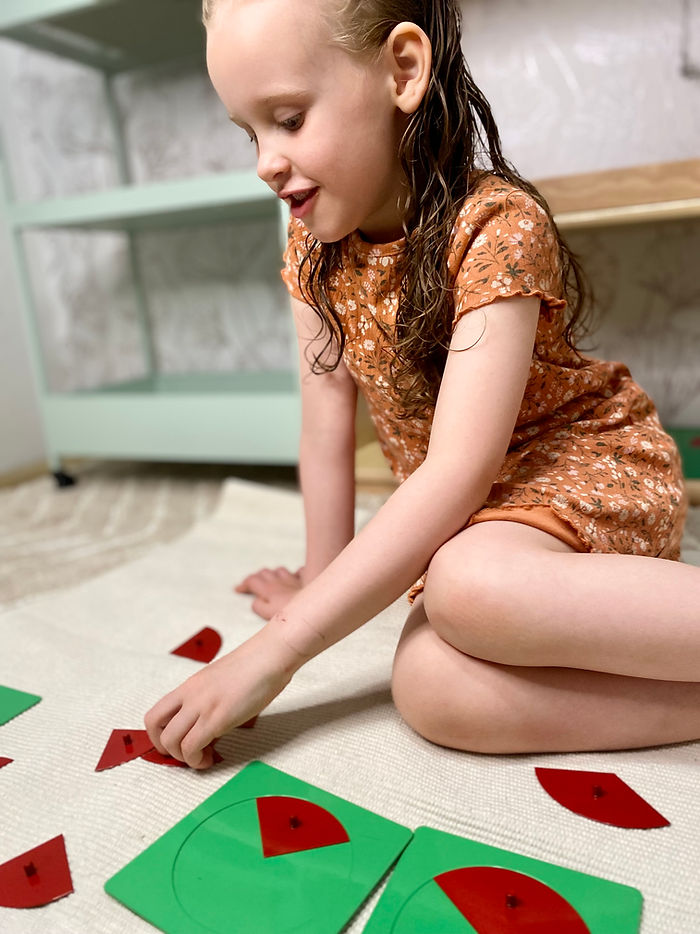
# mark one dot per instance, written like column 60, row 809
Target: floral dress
column 588, row 444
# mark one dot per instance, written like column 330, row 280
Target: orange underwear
column 538, row 517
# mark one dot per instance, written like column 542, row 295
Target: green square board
column 209, row 874
column 13, row 703
column 413, row 903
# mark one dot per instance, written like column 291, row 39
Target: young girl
column 541, row 504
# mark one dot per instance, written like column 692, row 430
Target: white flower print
column 627, row 499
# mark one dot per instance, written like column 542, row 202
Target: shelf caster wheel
column 63, row 479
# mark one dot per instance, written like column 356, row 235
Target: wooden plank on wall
column 644, row 184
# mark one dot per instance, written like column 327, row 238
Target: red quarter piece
column 152, row 755
column 502, row 901
column 202, row 647
column 123, row 746
column 601, row 796
column 5, row 761
column 290, row 825
column 36, row 877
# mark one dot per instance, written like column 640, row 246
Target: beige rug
column 98, row 654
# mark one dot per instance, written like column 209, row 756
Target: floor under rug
column 98, row 653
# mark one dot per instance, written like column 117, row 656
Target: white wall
column 577, row 87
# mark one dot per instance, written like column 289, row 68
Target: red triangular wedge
column 202, row 647
column 290, row 825
column 5, row 761
column 37, row 877
column 502, row 901
column 601, row 796
column 123, row 746
column 158, row 758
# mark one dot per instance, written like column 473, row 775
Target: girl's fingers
column 176, row 730
column 262, row 607
column 254, row 582
column 196, row 746
column 158, row 718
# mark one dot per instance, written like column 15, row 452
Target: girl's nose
column 272, row 166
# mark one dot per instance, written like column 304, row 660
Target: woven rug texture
column 98, row 653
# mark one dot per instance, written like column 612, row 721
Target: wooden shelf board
column 630, row 214
column 664, row 191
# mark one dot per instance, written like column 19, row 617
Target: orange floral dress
column 588, row 444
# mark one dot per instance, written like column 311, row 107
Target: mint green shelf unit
column 238, row 417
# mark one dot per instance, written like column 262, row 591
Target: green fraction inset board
column 14, row 702
column 444, row 884
column 265, row 854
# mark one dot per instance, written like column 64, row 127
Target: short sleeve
column 294, row 253
column 505, row 246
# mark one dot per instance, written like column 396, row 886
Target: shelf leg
column 63, row 479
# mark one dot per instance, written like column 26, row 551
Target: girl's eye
column 293, row 123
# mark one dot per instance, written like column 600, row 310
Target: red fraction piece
column 5, row 761
column 123, row 746
column 249, row 724
column 502, row 901
column 602, row 796
column 289, row 825
column 157, row 758
column 202, row 647
column 36, row 877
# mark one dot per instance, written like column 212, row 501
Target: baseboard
column 371, row 471
column 23, row 474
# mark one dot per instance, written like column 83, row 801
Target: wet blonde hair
column 450, row 143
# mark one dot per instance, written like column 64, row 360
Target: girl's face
column 324, row 122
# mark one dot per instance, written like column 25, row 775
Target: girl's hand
column 228, row 692
column 272, row 589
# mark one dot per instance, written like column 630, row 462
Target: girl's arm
column 326, row 470
column 480, row 396
column 477, row 407
column 326, row 450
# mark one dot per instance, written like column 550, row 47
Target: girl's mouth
column 300, row 202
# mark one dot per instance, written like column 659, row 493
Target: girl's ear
column 410, row 59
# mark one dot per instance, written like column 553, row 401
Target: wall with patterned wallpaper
column 575, row 87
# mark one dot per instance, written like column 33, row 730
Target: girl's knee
column 446, row 710
column 466, row 593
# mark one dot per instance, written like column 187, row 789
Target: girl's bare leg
column 515, row 595
column 459, row 701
